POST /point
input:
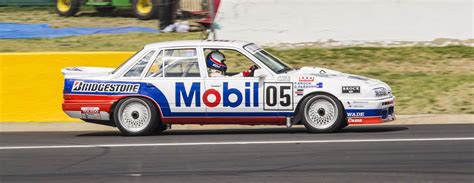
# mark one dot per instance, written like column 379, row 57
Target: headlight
column 381, row 92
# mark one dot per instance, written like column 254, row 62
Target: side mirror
column 259, row 73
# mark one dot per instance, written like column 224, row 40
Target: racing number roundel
column 278, row 96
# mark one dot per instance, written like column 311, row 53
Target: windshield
column 275, row 64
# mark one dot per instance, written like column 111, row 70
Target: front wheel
column 136, row 116
column 322, row 113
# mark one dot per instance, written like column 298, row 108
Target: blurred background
column 422, row 48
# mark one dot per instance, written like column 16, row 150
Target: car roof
column 193, row 43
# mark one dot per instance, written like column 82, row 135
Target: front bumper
column 370, row 111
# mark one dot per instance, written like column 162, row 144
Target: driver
column 215, row 64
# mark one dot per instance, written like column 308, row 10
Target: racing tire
column 161, row 127
column 67, row 8
column 137, row 117
column 322, row 113
column 145, row 9
column 104, row 9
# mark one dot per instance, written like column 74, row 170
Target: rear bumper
column 370, row 111
column 89, row 107
column 101, row 115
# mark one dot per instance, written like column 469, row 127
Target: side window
column 156, row 69
column 188, row 52
column 138, row 68
column 236, row 62
column 181, row 63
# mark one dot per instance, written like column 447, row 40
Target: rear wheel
column 322, row 113
column 67, row 7
column 145, row 9
column 137, row 116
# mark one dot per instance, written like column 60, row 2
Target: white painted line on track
column 236, row 143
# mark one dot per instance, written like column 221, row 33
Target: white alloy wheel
column 322, row 113
column 136, row 116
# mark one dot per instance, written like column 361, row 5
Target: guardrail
column 31, row 83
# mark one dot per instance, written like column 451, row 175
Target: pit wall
column 31, row 83
column 271, row 22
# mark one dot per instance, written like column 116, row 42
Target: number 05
column 278, row 96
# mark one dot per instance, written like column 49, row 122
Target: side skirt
column 226, row 120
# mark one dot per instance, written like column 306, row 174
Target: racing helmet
column 215, row 60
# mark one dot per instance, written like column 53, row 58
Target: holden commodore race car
column 220, row 82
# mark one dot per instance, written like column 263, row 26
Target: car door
column 234, row 98
column 176, row 74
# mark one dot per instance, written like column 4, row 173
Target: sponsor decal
column 283, row 78
column 357, row 104
column 365, row 120
column 193, row 95
column 306, row 78
column 90, row 112
column 355, row 114
column 303, row 85
column 81, row 86
column 299, row 92
column 354, row 120
column 351, row 89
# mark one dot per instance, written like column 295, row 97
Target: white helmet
column 215, row 60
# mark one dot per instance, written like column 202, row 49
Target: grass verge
column 98, row 42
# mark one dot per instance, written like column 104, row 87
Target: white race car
column 202, row 82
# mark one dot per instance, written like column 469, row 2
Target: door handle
column 149, row 85
column 215, row 85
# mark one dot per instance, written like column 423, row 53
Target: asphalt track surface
column 402, row 153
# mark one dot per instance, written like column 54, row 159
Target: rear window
column 121, row 65
column 137, row 69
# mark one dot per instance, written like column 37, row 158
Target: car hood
column 328, row 73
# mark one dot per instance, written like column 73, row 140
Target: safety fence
column 193, row 5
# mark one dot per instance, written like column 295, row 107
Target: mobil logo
column 248, row 95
